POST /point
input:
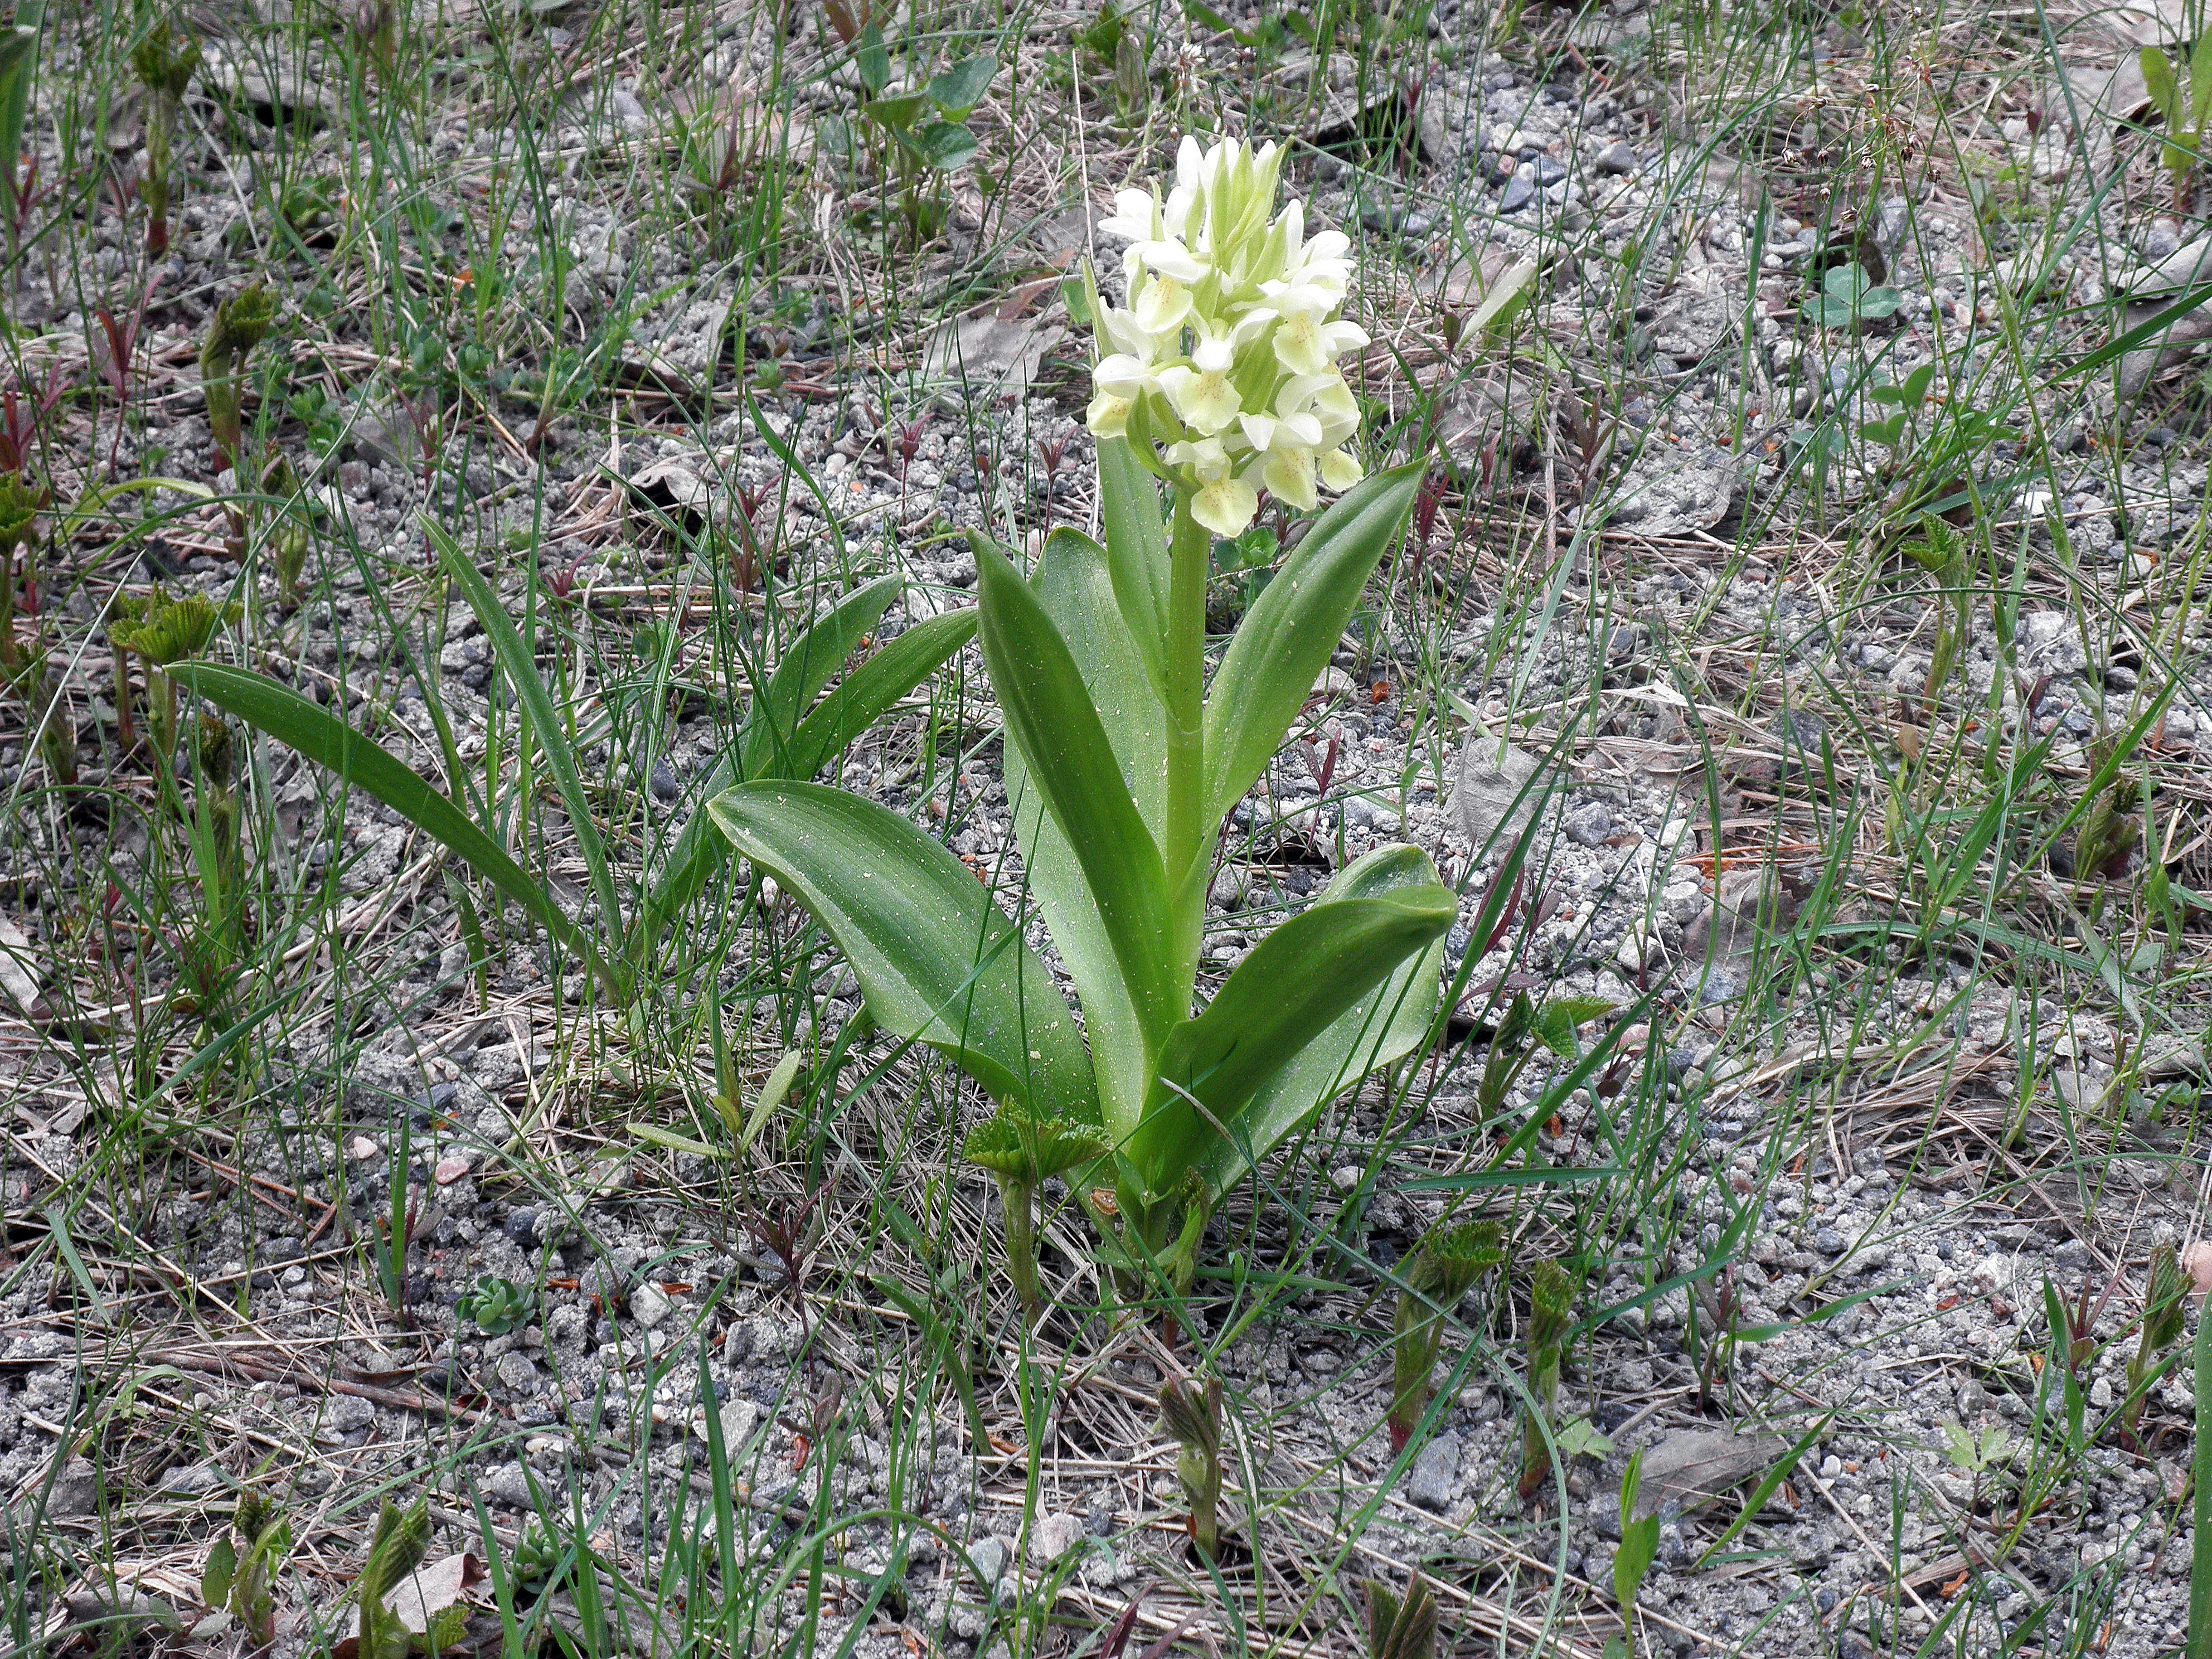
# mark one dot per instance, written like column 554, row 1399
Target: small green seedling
column 242, row 1582
column 496, row 1305
column 1552, row 1304
column 1401, row 1627
column 1941, row 551
column 927, row 129
column 1442, row 1270
column 163, row 632
column 1526, row 1028
column 1639, row 1545
column 241, row 323
column 165, row 66
column 1023, row 1152
column 1849, row 297
column 400, row 1542
column 20, row 503
column 2185, row 108
column 2165, row 1316
column 1191, row 1412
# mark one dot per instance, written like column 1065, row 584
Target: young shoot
column 1441, row 1270
column 1191, row 1412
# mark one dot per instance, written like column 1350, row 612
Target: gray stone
column 1433, row 1481
column 1590, row 823
column 1488, row 800
column 1053, row 1536
column 649, row 1305
column 517, row 1374
column 1520, row 191
column 509, row 1484
column 1618, row 159
column 990, row 1556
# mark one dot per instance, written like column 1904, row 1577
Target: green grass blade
column 1286, row 638
column 1294, row 986
column 515, row 662
column 864, row 696
column 936, row 960
column 1072, row 766
column 290, row 719
column 772, row 726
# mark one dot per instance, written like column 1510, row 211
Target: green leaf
column 1381, row 1029
column 1556, row 1022
column 957, row 90
column 1071, row 764
column 521, row 672
column 1502, row 301
column 1074, row 586
column 2158, row 79
column 290, row 719
column 936, row 960
column 873, row 61
column 655, row 1135
column 215, row 1583
column 1876, row 303
column 1025, row 1149
column 1844, row 284
column 898, row 113
column 1136, row 553
column 1288, row 635
column 772, row 723
column 1293, row 986
column 947, row 145
column 861, row 700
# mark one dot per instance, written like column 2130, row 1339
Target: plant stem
column 1021, row 1245
column 1190, row 549
column 2200, row 1555
column 1412, row 1361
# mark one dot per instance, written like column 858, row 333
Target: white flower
column 1305, row 344
column 1224, row 503
column 1228, row 340
column 1160, row 305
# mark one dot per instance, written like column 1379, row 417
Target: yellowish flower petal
column 1225, row 507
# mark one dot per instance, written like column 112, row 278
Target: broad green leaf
column 859, row 700
column 290, row 719
column 521, row 674
column 658, row 1136
column 2157, row 80
column 1379, row 1030
column 2200, row 86
column 1074, row 586
column 1136, row 553
column 936, row 960
column 1293, row 986
column 899, row 112
column 222, row 1565
column 874, row 61
column 800, row 673
column 1288, row 635
column 958, row 89
column 1072, row 768
column 945, row 145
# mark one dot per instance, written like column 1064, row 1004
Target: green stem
column 2200, row 1561
column 1412, row 1361
column 1021, row 1245
column 1186, row 851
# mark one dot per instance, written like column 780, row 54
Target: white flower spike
column 1227, row 345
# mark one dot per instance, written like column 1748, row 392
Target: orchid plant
column 1217, row 377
